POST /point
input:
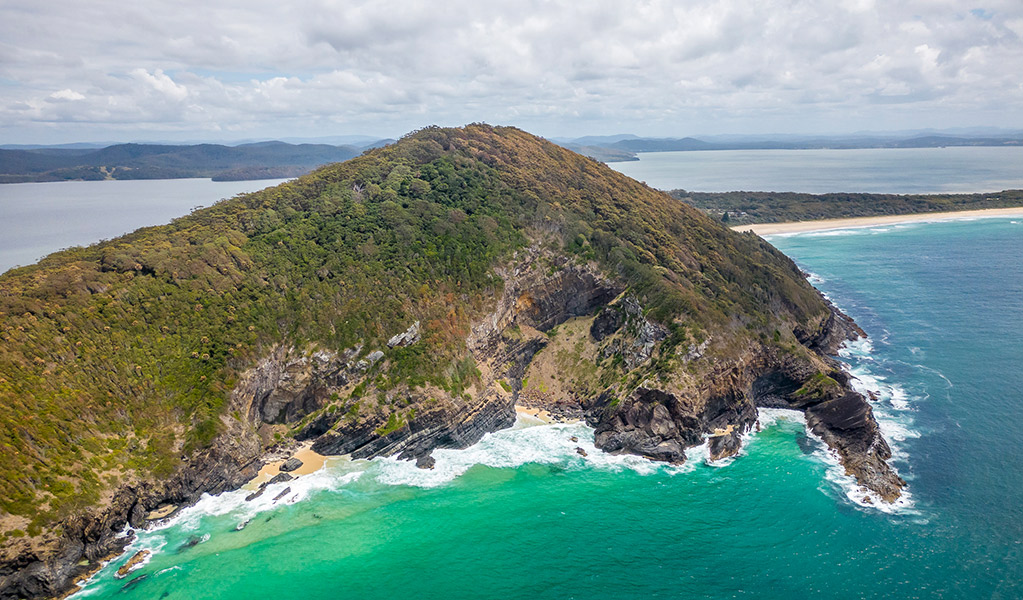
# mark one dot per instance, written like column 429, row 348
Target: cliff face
column 406, row 301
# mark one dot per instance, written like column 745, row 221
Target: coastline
column 311, row 462
column 854, row 222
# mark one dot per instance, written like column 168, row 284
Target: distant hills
column 281, row 159
column 260, row 160
column 626, row 147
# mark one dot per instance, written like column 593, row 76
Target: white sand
column 826, row 224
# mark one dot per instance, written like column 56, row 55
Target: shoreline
column 542, row 415
column 763, row 229
column 311, row 462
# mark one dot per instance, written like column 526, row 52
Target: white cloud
column 65, row 95
column 311, row 67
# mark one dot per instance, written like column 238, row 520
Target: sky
column 92, row 70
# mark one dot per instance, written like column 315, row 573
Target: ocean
column 39, row 218
column 874, row 170
column 522, row 515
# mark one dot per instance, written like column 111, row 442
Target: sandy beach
column 537, row 413
column 311, row 462
column 826, row 224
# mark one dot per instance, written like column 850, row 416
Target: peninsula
column 402, row 301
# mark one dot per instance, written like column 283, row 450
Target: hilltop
column 398, row 302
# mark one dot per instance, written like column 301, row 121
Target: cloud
column 65, row 95
column 260, row 68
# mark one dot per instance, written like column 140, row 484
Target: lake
column 39, row 218
column 874, row 170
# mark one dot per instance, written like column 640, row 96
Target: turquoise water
column 876, row 170
column 522, row 515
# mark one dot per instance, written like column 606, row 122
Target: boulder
column 280, row 478
column 290, row 465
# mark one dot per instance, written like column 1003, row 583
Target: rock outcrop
column 290, row 465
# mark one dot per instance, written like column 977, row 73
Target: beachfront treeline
column 740, row 208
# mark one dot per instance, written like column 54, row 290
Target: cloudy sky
column 97, row 70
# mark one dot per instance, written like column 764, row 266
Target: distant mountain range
column 626, row 147
column 261, row 160
column 280, row 159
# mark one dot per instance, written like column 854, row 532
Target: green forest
column 742, row 208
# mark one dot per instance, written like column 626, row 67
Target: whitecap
column 898, row 397
column 861, row 347
column 814, row 278
column 835, row 232
column 526, row 443
column 233, row 503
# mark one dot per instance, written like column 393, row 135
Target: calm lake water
column 883, row 171
column 39, row 218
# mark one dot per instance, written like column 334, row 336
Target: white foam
column 768, row 417
column 835, row 475
column 861, row 347
column 700, row 455
column 527, row 443
column 814, row 278
column 892, row 406
column 835, row 232
column 233, row 503
column 898, row 398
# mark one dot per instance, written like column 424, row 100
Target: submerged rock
column 134, row 582
column 191, row 542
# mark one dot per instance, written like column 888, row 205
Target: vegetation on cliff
column 117, row 360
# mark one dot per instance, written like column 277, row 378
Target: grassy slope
column 117, row 359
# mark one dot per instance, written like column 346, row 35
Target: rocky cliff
column 405, row 301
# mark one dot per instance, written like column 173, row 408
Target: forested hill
column 742, row 208
column 119, row 357
column 262, row 160
column 391, row 304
